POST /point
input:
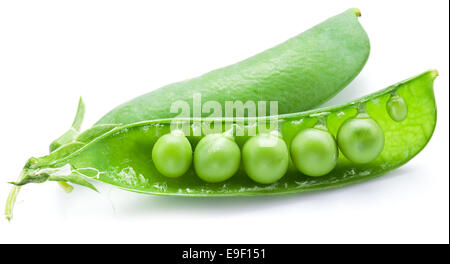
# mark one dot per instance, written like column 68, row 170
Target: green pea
column 216, row 158
column 314, row 152
column 361, row 140
column 397, row 108
column 172, row 154
column 266, row 158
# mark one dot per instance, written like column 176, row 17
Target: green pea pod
column 301, row 73
column 122, row 155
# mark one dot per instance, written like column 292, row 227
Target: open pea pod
column 399, row 121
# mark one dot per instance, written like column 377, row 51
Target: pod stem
column 9, row 207
column 322, row 123
column 362, row 111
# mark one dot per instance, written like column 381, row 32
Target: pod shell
column 301, row 73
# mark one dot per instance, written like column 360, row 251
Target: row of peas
column 314, row 151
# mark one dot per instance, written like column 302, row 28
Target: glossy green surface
column 216, row 158
column 266, row 158
column 360, row 139
column 172, row 154
column 397, row 108
column 314, row 152
column 301, row 73
column 121, row 155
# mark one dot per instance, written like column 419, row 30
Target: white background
column 51, row 52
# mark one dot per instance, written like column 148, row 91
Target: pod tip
column 357, row 11
column 434, row 73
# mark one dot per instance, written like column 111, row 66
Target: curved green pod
column 301, row 73
column 121, row 155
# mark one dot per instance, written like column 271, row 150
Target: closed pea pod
column 335, row 51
